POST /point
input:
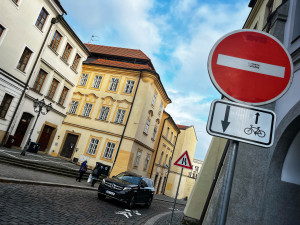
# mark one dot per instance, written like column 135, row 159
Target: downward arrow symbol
column 225, row 122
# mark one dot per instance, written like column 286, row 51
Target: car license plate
column 110, row 192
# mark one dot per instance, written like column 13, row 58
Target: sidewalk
column 19, row 174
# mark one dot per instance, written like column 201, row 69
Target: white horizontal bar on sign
column 252, row 66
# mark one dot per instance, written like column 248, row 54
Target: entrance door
column 69, row 145
column 22, row 128
column 45, row 137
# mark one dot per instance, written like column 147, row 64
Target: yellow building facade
column 164, row 149
column 115, row 113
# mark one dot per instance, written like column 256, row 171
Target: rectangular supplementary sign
column 252, row 66
column 242, row 123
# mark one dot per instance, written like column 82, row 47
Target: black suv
column 129, row 188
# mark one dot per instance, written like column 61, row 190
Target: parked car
column 129, row 188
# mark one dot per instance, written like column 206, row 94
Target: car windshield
column 129, row 178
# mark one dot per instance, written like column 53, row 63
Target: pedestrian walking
column 82, row 170
column 95, row 174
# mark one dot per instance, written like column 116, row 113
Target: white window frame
column 93, row 145
column 137, row 159
column 73, row 106
column 97, row 81
column 104, row 113
column 113, row 84
column 109, row 150
column 87, row 109
column 160, row 108
column 129, row 86
column 120, row 116
column 154, row 98
column 147, row 162
column 147, row 126
column 83, row 80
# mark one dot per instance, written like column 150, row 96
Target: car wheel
column 101, row 196
column 148, row 203
column 131, row 202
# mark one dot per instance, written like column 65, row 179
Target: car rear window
column 130, row 179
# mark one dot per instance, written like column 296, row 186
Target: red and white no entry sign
column 250, row 67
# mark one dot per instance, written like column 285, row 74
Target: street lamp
column 38, row 108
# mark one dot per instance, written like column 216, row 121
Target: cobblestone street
column 30, row 204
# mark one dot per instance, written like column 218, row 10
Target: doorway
column 69, row 145
column 22, row 128
column 45, row 137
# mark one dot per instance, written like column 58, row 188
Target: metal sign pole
column 228, row 183
column 176, row 195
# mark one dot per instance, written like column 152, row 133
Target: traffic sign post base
column 221, row 220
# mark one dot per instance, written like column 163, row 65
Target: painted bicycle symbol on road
column 255, row 130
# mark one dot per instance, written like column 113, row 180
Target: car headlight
column 127, row 189
column 103, row 181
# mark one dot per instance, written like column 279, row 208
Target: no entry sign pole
column 222, row 214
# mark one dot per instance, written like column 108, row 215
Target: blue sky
column 176, row 34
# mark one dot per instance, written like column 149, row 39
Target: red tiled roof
column 116, row 51
column 181, row 127
column 105, row 62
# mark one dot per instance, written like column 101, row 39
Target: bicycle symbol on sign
column 256, row 130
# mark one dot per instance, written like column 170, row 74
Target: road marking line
column 252, row 66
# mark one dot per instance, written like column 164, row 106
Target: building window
column 137, row 159
column 87, row 109
column 24, row 59
column 76, row 62
column 154, row 133
column 73, row 107
column 161, row 156
column 41, row 19
column 147, row 126
column 1, row 30
column 167, row 133
column 97, row 81
column 109, row 150
column 52, row 89
column 171, row 137
column 93, row 146
column 67, row 52
column 165, row 163
column 129, row 86
column 40, row 80
column 104, row 113
column 63, row 96
column 113, row 84
column 6, row 101
column 83, row 79
column 147, row 162
column 55, row 41
column 154, row 99
column 120, row 116
column 160, row 108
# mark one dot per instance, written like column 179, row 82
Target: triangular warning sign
column 184, row 161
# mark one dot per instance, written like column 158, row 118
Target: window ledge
column 120, row 124
column 152, row 139
column 85, row 117
column 105, row 121
column 50, row 99
column 35, row 91
column 62, row 59
column 73, row 70
column 145, row 133
column 71, row 114
column 60, row 105
column 52, row 50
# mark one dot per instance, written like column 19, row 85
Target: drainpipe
column 126, row 122
column 164, row 188
column 53, row 21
